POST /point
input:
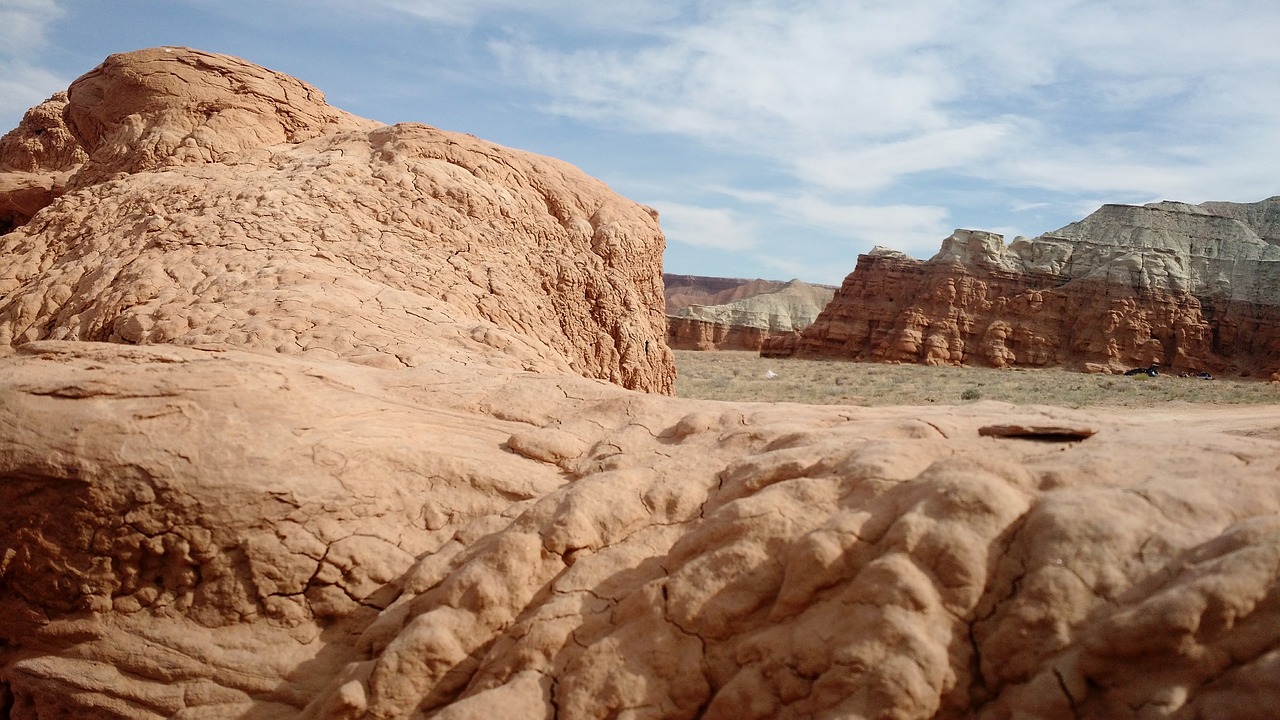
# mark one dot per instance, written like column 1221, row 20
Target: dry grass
column 741, row 376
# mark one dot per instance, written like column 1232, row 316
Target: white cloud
column 1024, row 206
column 758, row 75
column 789, row 267
column 22, row 87
column 857, row 96
column 23, row 83
column 577, row 13
column 913, row 229
column 909, row 228
column 706, row 227
column 877, row 224
column 22, row 24
column 878, row 165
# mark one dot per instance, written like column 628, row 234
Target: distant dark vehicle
column 1152, row 371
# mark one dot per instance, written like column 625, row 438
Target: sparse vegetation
column 728, row 375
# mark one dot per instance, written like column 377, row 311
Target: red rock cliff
column 1184, row 286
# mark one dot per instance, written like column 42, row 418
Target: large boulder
column 169, row 107
column 241, row 209
column 321, row 429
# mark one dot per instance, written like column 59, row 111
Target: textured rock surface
column 238, row 221
column 37, row 158
column 246, row 535
column 170, row 107
column 738, row 318
column 1191, row 287
column 217, row 523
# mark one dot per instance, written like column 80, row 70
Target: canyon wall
column 681, row 291
column 1193, row 288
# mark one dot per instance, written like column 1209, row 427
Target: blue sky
column 777, row 138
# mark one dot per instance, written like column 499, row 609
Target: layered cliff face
column 238, row 481
column 741, row 316
column 683, row 291
column 1192, row 288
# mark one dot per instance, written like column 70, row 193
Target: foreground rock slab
column 214, row 533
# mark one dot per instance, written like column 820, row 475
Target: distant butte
column 706, row 313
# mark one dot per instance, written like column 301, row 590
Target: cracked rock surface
column 339, row 426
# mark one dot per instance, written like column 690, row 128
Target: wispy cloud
column 583, row 14
column 23, row 86
column 857, row 96
column 706, row 227
column 23, row 23
column 23, row 27
column 910, row 228
column 1020, row 207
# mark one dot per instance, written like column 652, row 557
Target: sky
column 777, row 139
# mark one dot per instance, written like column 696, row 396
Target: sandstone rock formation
column 276, row 509
column 1191, row 287
column 37, row 159
column 739, row 317
column 242, row 209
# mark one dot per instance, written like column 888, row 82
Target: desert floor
column 1238, row 405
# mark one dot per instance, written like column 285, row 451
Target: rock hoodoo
column 315, row 426
column 1191, row 287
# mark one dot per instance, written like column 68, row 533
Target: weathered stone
column 243, row 210
column 37, row 159
column 1192, row 288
